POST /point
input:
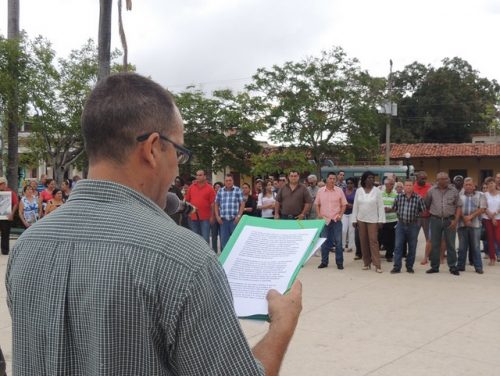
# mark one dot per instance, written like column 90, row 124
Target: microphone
column 175, row 205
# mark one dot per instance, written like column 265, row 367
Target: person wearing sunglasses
column 109, row 284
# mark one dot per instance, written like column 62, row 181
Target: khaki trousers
column 368, row 237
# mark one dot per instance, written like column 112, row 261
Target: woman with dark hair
column 347, row 227
column 215, row 227
column 57, row 200
column 250, row 204
column 266, row 201
column 66, row 189
column 368, row 215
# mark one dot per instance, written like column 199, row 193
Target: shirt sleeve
column 14, row 199
column 354, row 215
column 212, row 195
column 209, row 339
column 307, row 197
column 343, row 199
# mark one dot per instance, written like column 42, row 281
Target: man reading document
column 108, row 284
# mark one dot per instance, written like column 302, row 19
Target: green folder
column 281, row 224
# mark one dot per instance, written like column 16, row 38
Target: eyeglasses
column 183, row 155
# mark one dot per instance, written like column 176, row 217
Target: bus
column 380, row 171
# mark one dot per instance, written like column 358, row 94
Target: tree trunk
column 13, row 19
column 123, row 38
column 104, row 44
column 13, row 118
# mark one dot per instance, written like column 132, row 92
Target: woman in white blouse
column 368, row 215
column 265, row 201
column 491, row 217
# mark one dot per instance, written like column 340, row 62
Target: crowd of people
column 38, row 199
column 361, row 215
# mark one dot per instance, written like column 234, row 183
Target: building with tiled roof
column 476, row 160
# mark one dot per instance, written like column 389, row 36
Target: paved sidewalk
column 358, row 322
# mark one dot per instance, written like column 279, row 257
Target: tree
column 219, row 130
column 316, row 102
column 104, row 38
column 445, row 104
column 122, row 32
column 13, row 111
column 281, row 161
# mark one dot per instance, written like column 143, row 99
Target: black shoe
column 389, row 259
column 432, row 271
column 357, row 257
column 340, row 267
column 461, row 269
column 322, row 265
column 479, row 271
column 454, row 271
column 410, row 270
column 395, row 271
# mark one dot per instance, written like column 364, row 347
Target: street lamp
column 407, row 164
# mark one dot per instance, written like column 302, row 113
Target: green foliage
column 445, row 104
column 219, row 129
column 279, row 162
column 318, row 102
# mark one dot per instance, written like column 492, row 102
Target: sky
column 216, row 44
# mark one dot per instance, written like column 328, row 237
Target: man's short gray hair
column 312, row 177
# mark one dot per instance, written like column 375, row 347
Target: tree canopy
column 220, row 130
column 318, row 102
column 444, row 104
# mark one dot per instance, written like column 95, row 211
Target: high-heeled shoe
column 366, row 267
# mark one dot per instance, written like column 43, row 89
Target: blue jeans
column 202, row 228
column 469, row 239
column 406, row 233
column 226, row 229
column 333, row 234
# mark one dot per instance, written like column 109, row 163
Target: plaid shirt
column 408, row 209
column 229, row 202
column 108, row 284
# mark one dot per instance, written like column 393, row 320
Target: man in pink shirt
column 202, row 196
column 330, row 205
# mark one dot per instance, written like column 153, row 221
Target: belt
column 409, row 222
column 450, row 217
column 289, row 216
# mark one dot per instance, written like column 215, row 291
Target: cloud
column 228, row 40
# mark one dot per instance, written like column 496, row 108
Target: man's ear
column 150, row 150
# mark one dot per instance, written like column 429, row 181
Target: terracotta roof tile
column 443, row 150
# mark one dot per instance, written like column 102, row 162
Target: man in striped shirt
column 388, row 234
column 229, row 206
column 408, row 207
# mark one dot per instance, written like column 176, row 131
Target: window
column 453, row 173
column 483, row 174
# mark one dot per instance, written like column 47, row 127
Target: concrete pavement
column 357, row 322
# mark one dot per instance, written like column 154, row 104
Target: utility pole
column 389, row 118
